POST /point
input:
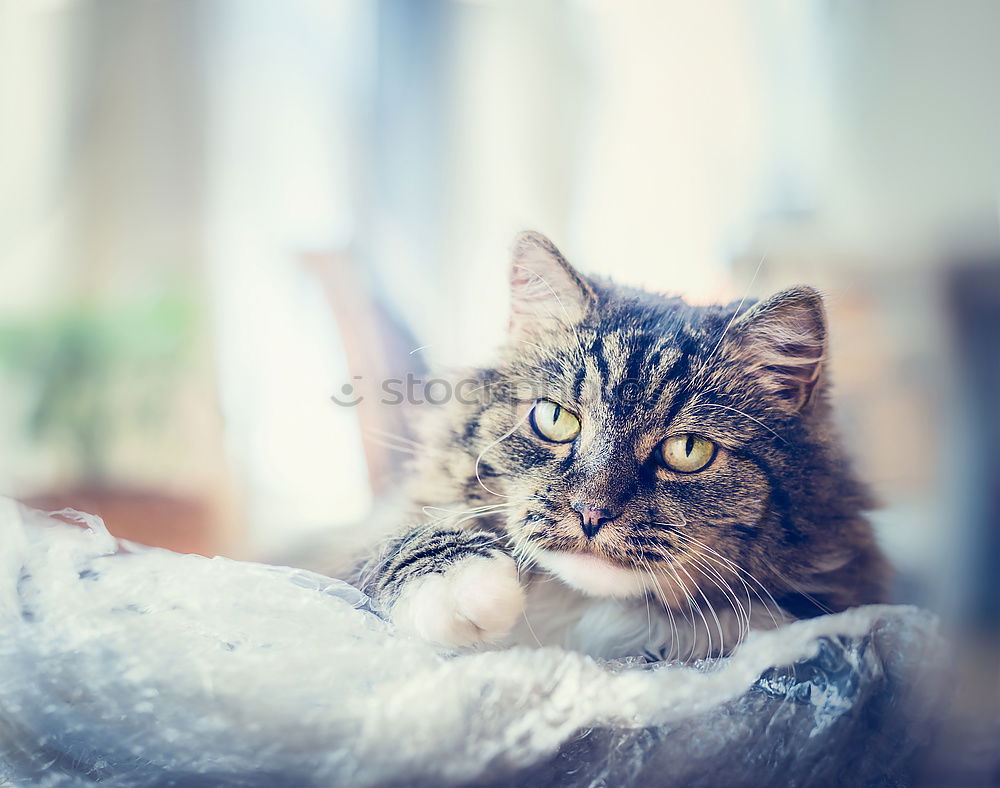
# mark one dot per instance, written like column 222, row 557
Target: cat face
column 643, row 444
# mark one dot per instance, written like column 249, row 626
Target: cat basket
column 151, row 668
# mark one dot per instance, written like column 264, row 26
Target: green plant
column 95, row 370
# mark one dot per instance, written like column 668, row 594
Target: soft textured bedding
column 144, row 667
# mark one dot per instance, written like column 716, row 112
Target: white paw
column 477, row 600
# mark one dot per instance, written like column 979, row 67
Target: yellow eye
column 686, row 453
column 553, row 422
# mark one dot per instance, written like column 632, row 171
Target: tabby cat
column 634, row 476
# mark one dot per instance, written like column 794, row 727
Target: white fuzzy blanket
column 152, row 668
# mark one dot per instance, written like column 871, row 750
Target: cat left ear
column 783, row 342
column 545, row 289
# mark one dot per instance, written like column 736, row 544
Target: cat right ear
column 783, row 342
column 546, row 291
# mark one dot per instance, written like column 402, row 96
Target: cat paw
column 477, row 600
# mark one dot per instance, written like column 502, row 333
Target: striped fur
column 423, row 550
column 773, row 528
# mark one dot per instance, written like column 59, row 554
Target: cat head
column 641, row 444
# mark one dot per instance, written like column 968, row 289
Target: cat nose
column 592, row 518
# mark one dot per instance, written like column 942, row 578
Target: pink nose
column 592, row 518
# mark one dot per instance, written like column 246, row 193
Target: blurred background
column 210, row 212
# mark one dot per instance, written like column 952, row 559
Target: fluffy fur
column 684, row 564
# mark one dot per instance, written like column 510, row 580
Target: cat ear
column 545, row 290
column 783, row 342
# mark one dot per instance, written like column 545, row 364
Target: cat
column 634, row 476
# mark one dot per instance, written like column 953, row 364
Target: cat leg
column 453, row 587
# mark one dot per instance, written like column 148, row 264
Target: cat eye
column 686, row 453
column 553, row 422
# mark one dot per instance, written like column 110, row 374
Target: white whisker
column 736, row 314
column 745, row 415
column 502, row 438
